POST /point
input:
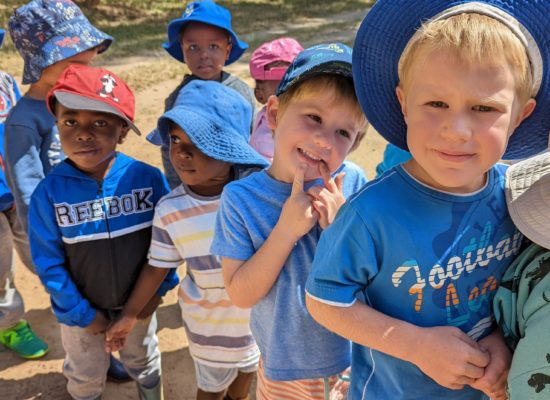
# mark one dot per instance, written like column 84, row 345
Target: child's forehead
column 61, row 110
column 195, row 29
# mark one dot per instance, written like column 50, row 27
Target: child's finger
column 339, row 180
column 298, row 183
column 325, row 174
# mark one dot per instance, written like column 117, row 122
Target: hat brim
column 46, row 56
column 528, row 198
column 173, row 46
column 384, row 34
column 218, row 142
column 79, row 102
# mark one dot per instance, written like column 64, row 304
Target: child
column 409, row 268
column 522, row 302
column 15, row 333
column 50, row 35
column 89, row 227
column 269, row 223
column 268, row 64
column 207, row 131
column 204, row 40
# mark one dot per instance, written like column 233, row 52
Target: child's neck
column 38, row 90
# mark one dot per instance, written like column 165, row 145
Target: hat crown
column 222, row 106
column 97, row 84
column 282, row 49
column 208, row 9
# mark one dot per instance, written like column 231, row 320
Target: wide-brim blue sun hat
column 207, row 12
column 217, row 119
column 327, row 58
column 386, row 31
column 2, row 33
column 45, row 32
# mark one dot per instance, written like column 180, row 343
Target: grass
column 139, row 26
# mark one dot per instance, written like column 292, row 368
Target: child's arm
column 493, row 382
column 446, row 354
column 247, row 282
column 144, row 291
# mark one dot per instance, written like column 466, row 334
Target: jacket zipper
column 112, row 252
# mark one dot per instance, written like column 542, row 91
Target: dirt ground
column 42, row 379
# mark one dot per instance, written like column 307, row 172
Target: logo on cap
column 109, row 83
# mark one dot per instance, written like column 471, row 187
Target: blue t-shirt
column 292, row 344
column 420, row 255
column 32, row 149
column 9, row 94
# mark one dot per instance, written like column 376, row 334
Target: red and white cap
column 81, row 87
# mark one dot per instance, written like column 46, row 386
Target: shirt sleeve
column 162, row 252
column 231, row 237
column 24, row 168
column 344, row 262
column 48, row 254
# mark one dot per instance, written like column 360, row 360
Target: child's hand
column 493, row 382
column 450, row 357
column 298, row 216
column 99, row 324
column 118, row 331
column 150, row 307
column 340, row 389
column 327, row 199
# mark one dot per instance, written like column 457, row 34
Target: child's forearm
column 250, row 281
column 368, row 327
column 146, row 286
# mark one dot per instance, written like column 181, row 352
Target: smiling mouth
column 454, row 156
column 309, row 156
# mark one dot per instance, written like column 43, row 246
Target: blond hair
column 342, row 89
column 473, row 39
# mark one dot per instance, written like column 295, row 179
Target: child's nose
column 84, row 135
column 323, row 139
column 457, row 127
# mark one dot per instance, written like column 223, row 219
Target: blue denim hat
column 2, row 33
column 330, row 58
column 217, row 119
column 45, row 32
column 209, row 13
column 388, row 28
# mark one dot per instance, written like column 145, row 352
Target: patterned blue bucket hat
column 209, row 13
column 330, row 58
column 390, row 24
column 217, row 119
column 45, row 32
column 2, row 33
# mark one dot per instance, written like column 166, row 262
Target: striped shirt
column 218, row 332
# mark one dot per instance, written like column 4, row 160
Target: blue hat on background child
column 2, row 33
column 217, row 120
column 388, row 28
column 45, row 32
column 209, row 13
column 330, row 58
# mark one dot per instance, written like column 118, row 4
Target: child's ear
column 527, row 110
column 123, row 134
column 229, row 47
column 401, row 98
column 272, row 111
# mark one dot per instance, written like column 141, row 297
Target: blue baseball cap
column 388, row 28
column 209, row 13
column 2, row 33
column 217, row 119
column 45, row 32
column 330, row 58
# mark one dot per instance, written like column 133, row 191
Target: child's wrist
column 283, row 236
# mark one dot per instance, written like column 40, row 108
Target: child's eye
column 100, row 123
column 482, row 108
column 437, row 104
column 193, row 47
column 344, row 133
column 174, row 139
column 69, row 122
column 315, row 118
column 214, row 46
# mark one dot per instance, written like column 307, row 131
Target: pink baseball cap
column 282, row 49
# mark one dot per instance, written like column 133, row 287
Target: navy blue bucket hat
column 2, row 33
column 45, row 32
column 207, row 12
column 390, row 24
column 330, row 58
column 217, row 119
